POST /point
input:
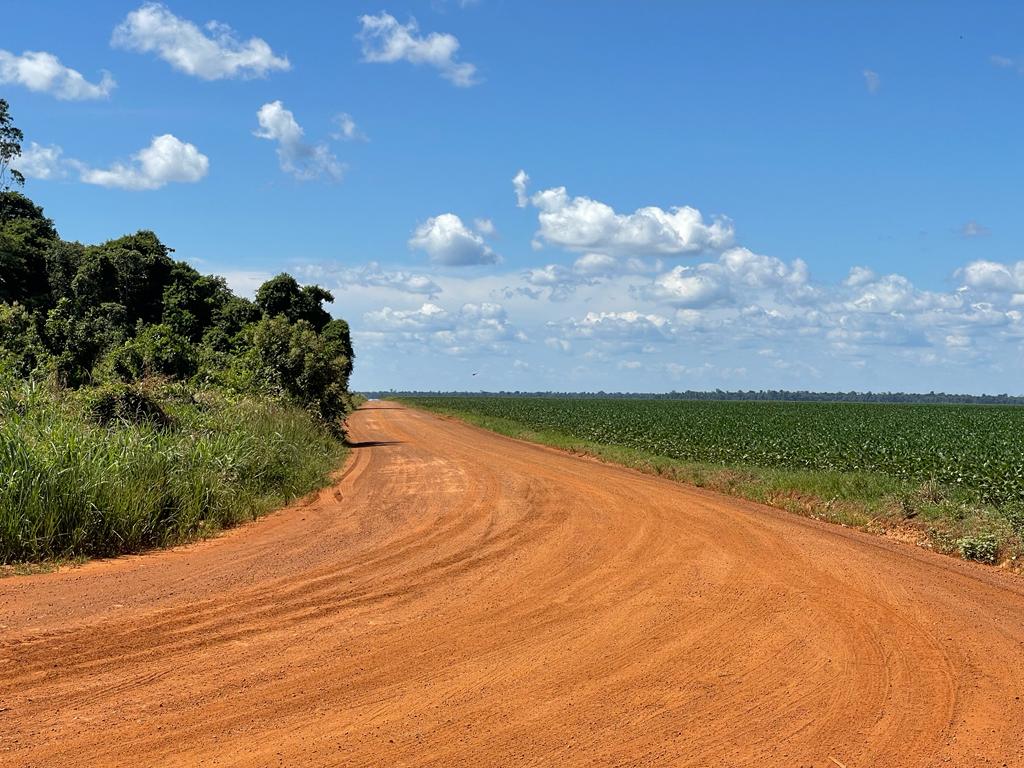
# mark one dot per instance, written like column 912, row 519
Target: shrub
column 21, row 349
column 117, row 402
column 164, row 352
column 982, row 547
column 72, row 486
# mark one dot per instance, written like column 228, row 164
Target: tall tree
column 282, row 295
column 10, row 148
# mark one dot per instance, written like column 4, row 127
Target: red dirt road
column 461, row 599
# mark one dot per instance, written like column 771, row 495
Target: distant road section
column 463, row 599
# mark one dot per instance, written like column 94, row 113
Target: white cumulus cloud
column 213, row 54
column 43, row 72
column 167, row 159
column 385, row 40
column 994, row 277
column 630, row 325
column 690, row 286
column 737, row 276
column 450, row 242
column 297, row 157
column 39, row 162
column 580, row 223
column 473, row 329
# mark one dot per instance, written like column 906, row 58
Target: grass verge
column 79, row 479
column 943, row 519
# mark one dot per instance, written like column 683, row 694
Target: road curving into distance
column 463, row 599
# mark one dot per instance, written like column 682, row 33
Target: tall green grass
column 71, row 486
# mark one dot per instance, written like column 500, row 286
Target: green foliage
column 75, row 487
column 77, row 339
column 132, row 271
column 25, row 236
column 311, row 369
column 115, row 402
column 164, row 352
column 282, row 295
column 10, row 149
column 125, row 310
column 977, row 450
column 983, row 547
column 21, row 349
column 113, row 467
column 668, row 437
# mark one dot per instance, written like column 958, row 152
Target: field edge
column 912, row 513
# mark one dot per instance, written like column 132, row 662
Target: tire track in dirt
column 462, row 599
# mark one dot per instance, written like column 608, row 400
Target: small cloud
column 449, row 242
column 1005, row 62
column 245, row 283
column 347, row 129
column 372, row 275
column 39, row 162
column 167, row 159
column 519, row 182
column 485, row 227
column 211, row 55
column 974, row 229
column 297, row 158
column 871, row 80
column 42, row 72
column 386, row 41
column 584, row 224
column 557, row 344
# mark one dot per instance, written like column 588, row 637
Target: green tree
column 132, row 270
column 165, row 352
column 63, row 260
column 282, row 295
column 191, row 300
column 25, row 236
column 299, row 363
column 21, row 349
column 77, row 339
column 10, row 148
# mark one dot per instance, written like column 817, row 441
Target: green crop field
column 977, row 448
column 967, row 453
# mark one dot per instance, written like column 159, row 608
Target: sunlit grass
column 71, row 487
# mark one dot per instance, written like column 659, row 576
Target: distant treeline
column 718, row 394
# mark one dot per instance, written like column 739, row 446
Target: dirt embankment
column 461, row 599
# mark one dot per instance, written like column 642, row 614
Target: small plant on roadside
column 981, row 547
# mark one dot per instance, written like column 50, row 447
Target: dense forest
column 139, row 397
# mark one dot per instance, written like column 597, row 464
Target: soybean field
column 978, row 449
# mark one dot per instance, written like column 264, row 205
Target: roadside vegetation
column 143, row 403
column 948, row 477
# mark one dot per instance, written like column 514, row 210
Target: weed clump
column 981, row 547
column 118, row 402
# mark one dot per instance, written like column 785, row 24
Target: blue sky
column 798, row 195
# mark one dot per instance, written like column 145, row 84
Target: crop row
column 977, row 448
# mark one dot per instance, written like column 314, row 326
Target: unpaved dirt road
column 460, row 599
